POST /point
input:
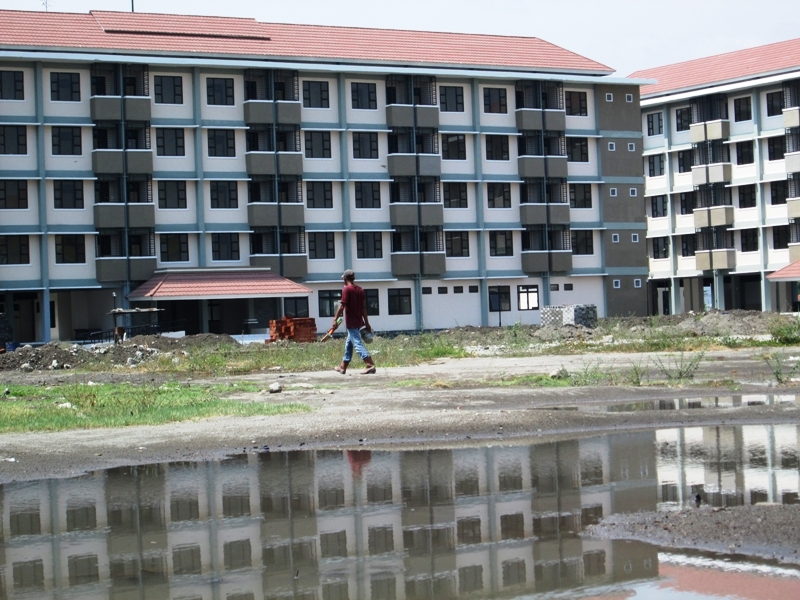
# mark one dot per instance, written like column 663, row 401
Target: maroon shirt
column 354, row 301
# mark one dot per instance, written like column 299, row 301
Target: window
column 454, row 146
column 14, row 250
column 68, row 194
column 749, row 240
column 499, row 298
column 219, row 91
column 369, row 244
column 365, row 145
column 779, row 191
column 70, row 249
column 631, row 147
column 628, row 97
column 498, row 195
column 687, row 203
column 451, row 98
column 635, row 238
column 295, row 307
column 494, row 100
column 661, row 247
column 65, row 87
column 400, row 301
column 775, row 104
column 637, row 283
column 318, row 144
column 170, row 142
column 687, row 245
column 612, row 146
column 609, row 97
column 222, row 142
column 186, row 560
column 474, row 289
column 655, row 124
column 321, row 245
column 685, row 161
column 458, row 289
column 455, row 195
column 319, row 194
column 775, row 147
column 780, row 237
column 580, row 195
column 329, row 302
column 82, row 569
column 11, row 85
column 612, row 192
column 577, row 149
column 368, row 194
column 744, row 153
column 315, row 94
column 171, row 194
column 617, row 284
column 742, row 110
column 441, row 290
column 224, row 194
column 470, row 579
column 747, row 196
column 655, row 165
column 67, row 141
column 683, row 119
column 615, row 238
column 497, row 147
column 427, row 291
column 364, row 96
column 582, row 242
column 456, row 243
column 554, row 287
column 174, row 247
column 225, row 246
column 633, row 192
column 168, row 89
column 568, row 287
column 575, row 104
column 501, row 243
column 13, row 139
column 13, row 194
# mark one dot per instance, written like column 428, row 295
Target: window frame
column 451, row 140
column 655, row 165
column 774, row 103
column 12, row 79
column 584, row 246
column 321, row 245
column 20, row 195
column 507, row 247
column 75, row 198
column 369, row 245
column 59, row 133
column 495, row 100
column 399, row 301
column 448, row 201
column 360, row 197
column 750, row 201
column 492, row 195
column 584, row 202
column 683, row 118
column 316, row 98
column 583, row 108
column 655, row 124
column 70, row 243
column 745, row 157
column 749, row 240
column 317, row 145
column 222, row 148
column 528, row 291
column 59, row 86
column 497, row 143
column 172, row 139
column 363, row 92
column 20, row 146
column 742, row 109
column 175, row 92
column 165, row 251
column 578, row 149
column 230, row 242
column 20, row 253
column 326, row 197
column 462, row 238
column 776, row 147
column 230, row 200
column 445, row 99
column 216, row 96
column 165, row 198
column 371, row 139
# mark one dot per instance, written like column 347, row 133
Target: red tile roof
column 722, row 68
column 182, row 35
column 212, row 283
column 790, row 272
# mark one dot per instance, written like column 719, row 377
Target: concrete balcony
column 290, row 163
column 266, row 261
column 557, row 166
column 433, row 263
column 140, row 162
column 559, row 213
column 141, row 215
column 258, row 112
column 793, row 207
column 555, row 120
column 714, row 173
column 427, row 116
column 109, row 215
column 722, row 259
column 260, row 163
column 535, row 261
column 429, row 165
column 400, row 115
column 533, row 214
column 116, row 269
column 106, row 108
column 405, row 263
column 137, row 108
column 718, row 130
column 404, row 214
column 402, row 165
column 697, row 133
column 295, row 266
column 529, row 119
column 714, row 216
column 293, row 214
column 794, row 252
column 792, row 161
column 530, row 166
column 107, row 162
column 561, row 260
column 430, row 214
column 262, row 214
column 791, row 117
column 288, row 112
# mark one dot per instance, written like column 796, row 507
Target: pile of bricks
column 298, row 330
column 573, row 314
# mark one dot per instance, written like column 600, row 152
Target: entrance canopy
column 788, row 273
column 216, row 284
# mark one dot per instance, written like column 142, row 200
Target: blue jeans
column 354, row 341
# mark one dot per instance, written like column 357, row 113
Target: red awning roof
column 201, row 284
column 788, row 273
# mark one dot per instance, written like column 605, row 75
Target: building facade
column 722, row 167
column 460, row 176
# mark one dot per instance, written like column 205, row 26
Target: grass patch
column 83, row 406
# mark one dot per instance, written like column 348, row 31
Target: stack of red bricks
column 298, row 330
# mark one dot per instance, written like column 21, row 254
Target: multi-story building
column 722, row 168
column 458, row 175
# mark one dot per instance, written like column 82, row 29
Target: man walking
column 354, row 306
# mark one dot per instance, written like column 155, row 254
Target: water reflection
column 475, row 522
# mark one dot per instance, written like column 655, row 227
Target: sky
column 626, row 35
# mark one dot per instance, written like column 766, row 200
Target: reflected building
column 329, row 525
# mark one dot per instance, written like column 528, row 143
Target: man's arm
column 339, row 312
column 364, row 313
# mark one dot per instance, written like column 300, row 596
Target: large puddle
column 479, row 522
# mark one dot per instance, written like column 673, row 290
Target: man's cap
column 349, row 274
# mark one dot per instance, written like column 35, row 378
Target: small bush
column 785, row 330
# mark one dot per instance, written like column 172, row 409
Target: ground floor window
column 329, row 302
column 295, row 307
column 499, row 298
column 528, row 297
column 400, row 301
column 373, row 306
